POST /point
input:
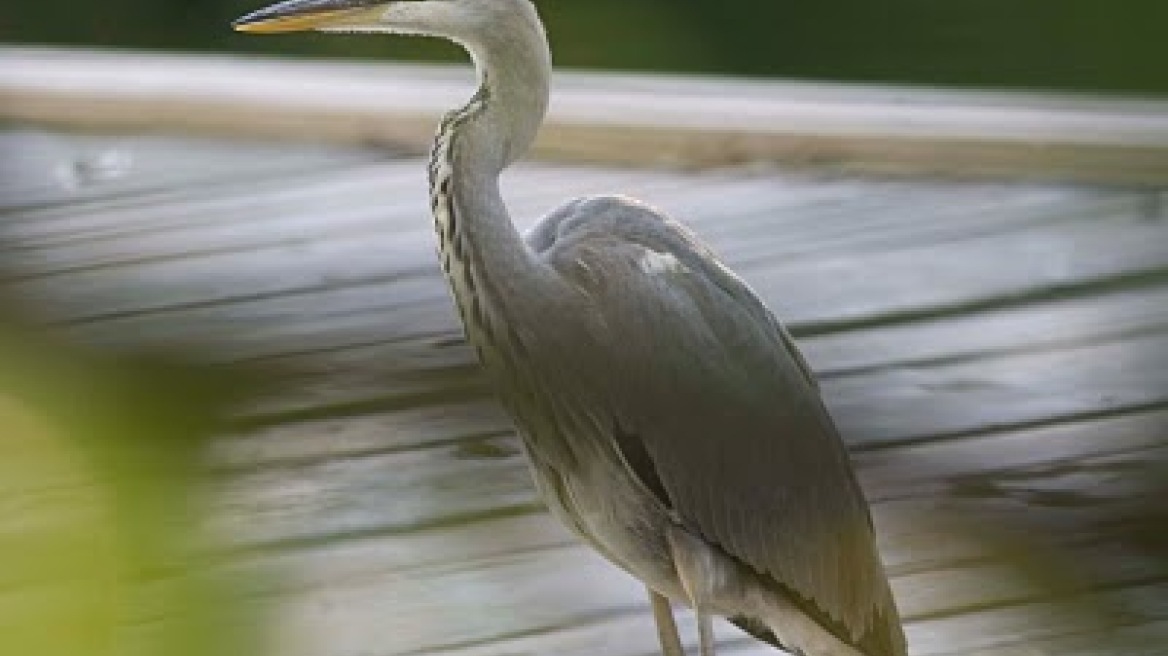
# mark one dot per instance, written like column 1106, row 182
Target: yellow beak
column 301, row 15
column 289, row 24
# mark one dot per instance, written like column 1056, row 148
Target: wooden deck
column 995, row 353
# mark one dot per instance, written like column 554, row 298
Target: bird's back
column 720, row 416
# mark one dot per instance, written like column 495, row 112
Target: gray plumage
column 668, row 417
column 707, row 383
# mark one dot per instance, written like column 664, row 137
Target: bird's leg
column 705, row 632
column 702, row 576
column 666, row 627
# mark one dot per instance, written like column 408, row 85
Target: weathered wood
column 609, row 118
column 1035, row 259
column 996, row 354
column 880, row 405
column 1138, row 640
column 42, row 170
column 346, row 494
column 509, row 598
column 352, row 586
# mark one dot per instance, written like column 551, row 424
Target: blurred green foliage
column 1069, row 44
column 101, row 483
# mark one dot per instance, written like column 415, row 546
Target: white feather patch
column 655, row 263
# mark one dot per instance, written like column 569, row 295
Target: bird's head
column 455, row 19
column 505, row 38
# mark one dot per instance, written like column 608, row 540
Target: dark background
column 1096, row 45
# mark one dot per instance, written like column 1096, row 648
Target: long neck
column 487, row 263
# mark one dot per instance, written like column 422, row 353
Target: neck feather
column 487, row 263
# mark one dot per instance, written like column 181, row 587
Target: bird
column 668, row 418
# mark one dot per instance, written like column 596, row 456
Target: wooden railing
column 673, row 121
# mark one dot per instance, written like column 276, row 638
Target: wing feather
column 727, row 412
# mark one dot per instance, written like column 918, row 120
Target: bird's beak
column 300, row 15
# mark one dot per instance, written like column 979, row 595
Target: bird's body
column 669, row 420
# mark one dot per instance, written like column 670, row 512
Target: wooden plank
column 791, row 215
column 1029, row 264
column 360, row 590
column 624, row 637
column 937, row 397
column 389, row 185
column 928, row 468
column 1138, row 640
column 623, row 118
column 1002, row 627
column 357, row 579
column 352, row 327
column 41, row 169
column 875, row 286
column 467, row 425
column 881, row 406
column 307, row 498
column 389, row 486
column 1028, row 327
column 981, row 396
column 371, row 202
column 444, row 424
column 338, row 599
column 358, row 318
column 938, row 586
column 548, row 592
column 760, row 217
column 211, row 245
column 738, row 247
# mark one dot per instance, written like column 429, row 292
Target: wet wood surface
column 995, row 353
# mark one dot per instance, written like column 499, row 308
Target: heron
column 668, row 418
